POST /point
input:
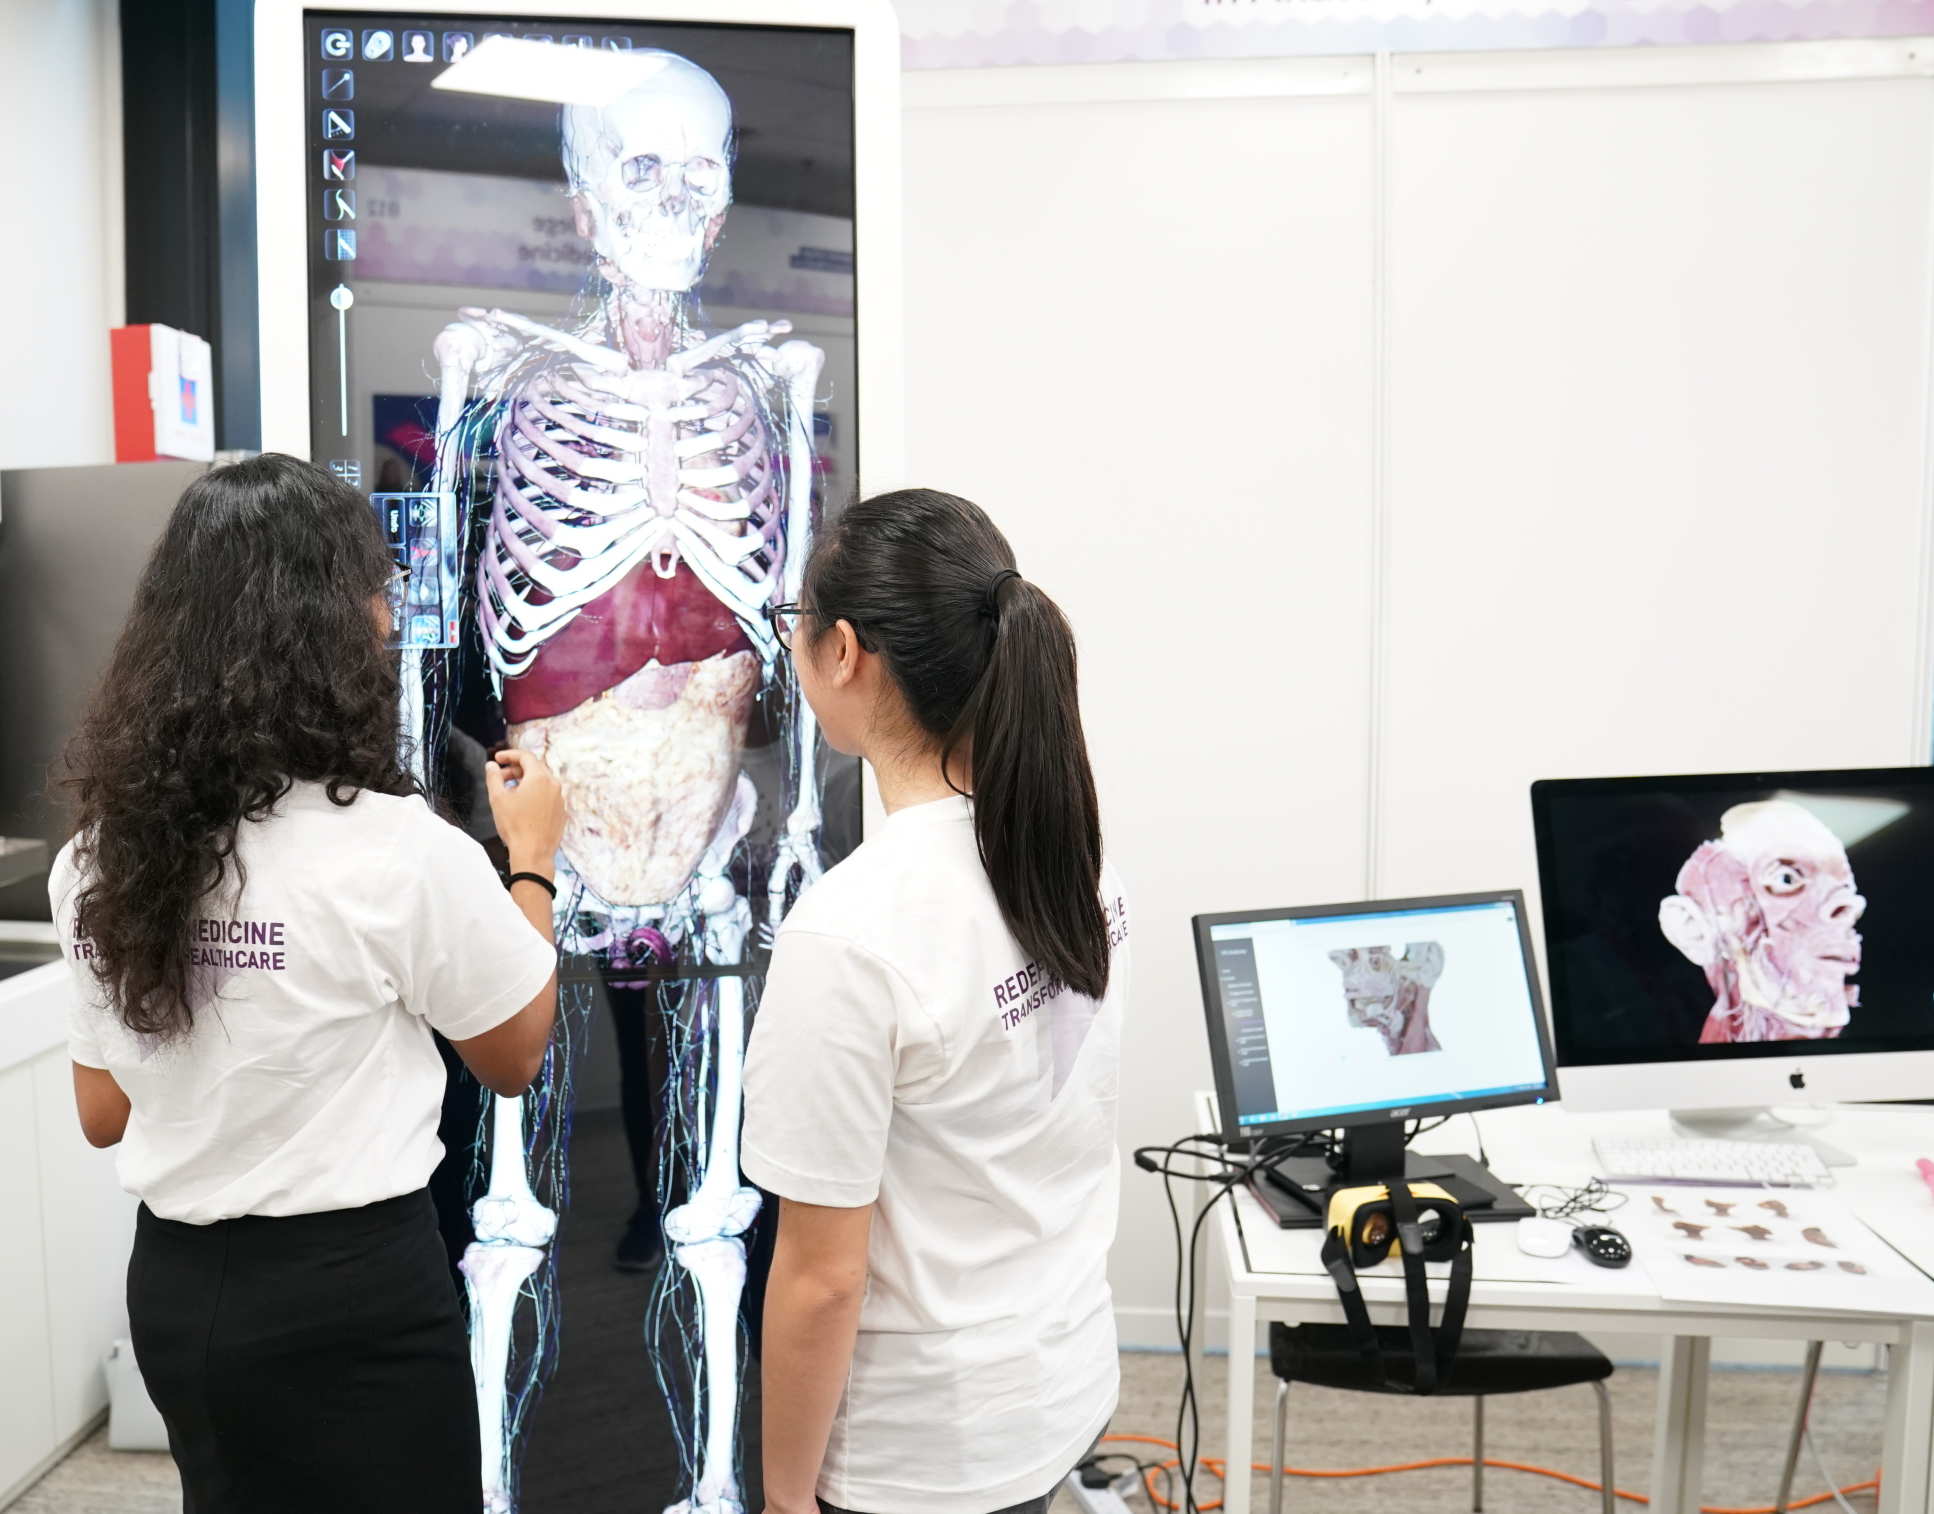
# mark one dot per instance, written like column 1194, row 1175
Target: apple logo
column 1797, row 1079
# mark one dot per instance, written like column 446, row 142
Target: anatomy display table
column 1275, row 1274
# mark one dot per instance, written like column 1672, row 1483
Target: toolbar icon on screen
column 575, row 39
column 338, row 125
column 348, row 469
column 379, row 45
column 456, row 44
column 338, row 84
column 339, row 205
column 338, row 42
column 418, row 47
column 617, row 44
column 339, row 246
column 339, row 165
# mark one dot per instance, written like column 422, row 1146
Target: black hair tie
column 991, row 603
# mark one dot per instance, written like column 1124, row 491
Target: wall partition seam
column 1379, row 470
column 1921, row 737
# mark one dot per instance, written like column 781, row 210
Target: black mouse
column 1603, row 1245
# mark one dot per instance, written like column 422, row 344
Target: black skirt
column 311, row 1363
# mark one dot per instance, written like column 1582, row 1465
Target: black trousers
column 309, row 1364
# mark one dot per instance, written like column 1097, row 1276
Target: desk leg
column 1679, row 1432
column 1242, row 1404
column 1904, row 1478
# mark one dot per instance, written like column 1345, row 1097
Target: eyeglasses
column 399, row 577
column 784, row 620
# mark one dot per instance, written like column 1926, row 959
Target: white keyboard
column 1752, row 1164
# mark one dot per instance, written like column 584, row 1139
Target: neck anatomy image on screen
column 1389, row 992
column 1769, row 910
column 650, row 494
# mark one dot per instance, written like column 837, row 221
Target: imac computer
column 1359, row 1017
column 1722, row 944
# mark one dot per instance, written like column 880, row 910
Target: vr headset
column 1418, row 1223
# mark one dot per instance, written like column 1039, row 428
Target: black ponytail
column 986, row 662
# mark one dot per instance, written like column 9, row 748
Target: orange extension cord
column 1214, row 1465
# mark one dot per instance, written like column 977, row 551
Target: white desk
column 1274, row 1274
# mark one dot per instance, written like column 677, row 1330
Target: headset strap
column 1457, row 1300
column 1434, row 1361
column 1336, row 1261
column 1416, row 1286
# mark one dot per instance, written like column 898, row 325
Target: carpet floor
column 1748, row 1416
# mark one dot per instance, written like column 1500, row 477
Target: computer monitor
column 1360, row 1017
column 1740, row 940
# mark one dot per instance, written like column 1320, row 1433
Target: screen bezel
column 1545, row 790
column 1204, row 925
column 282, row 210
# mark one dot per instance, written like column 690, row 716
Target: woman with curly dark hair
column 266, row 922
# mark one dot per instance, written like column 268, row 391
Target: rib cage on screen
column 597, row 354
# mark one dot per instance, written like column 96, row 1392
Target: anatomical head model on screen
column 1769, row 910
column 650, row 497
column 1389, row 992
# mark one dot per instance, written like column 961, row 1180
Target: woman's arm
column 102, row 1105
column 527, row 803
column 812, row 1317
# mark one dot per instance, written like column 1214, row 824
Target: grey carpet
column 1748, row 1416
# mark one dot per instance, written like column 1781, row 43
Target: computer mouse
column 1603, row 1245
column 1538, row 1236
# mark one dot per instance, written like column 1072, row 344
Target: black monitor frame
column 1394, row 1115
column 1544, row 790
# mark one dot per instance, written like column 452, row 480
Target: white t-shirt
column 309, row 1081
column 906, row 1053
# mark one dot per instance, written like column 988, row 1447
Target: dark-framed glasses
column 784, row 620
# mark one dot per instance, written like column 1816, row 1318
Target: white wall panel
column 60, row 108
column 1135, row 335
column 26, row 1412
column 1657, row 392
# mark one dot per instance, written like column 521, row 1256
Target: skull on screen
column 651, row 174
column 1768, row 910
column 1390, row 993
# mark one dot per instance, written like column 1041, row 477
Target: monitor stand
column 1761, row 1124
column 1297, row 1189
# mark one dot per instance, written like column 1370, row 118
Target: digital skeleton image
column 1389, row 992
column 649, row 495
column 1768, row 911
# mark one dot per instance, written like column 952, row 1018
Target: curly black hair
column 252, row 659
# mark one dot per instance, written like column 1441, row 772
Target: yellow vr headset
column 1417, row 1223
column 1366, row 1221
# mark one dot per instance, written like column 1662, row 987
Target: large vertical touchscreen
column 581, row 318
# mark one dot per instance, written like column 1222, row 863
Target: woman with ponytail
column 931, row 1082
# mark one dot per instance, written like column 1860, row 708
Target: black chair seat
column 1488, row 1361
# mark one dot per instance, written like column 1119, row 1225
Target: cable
column 1215, row 1465
column 1201, row 1150
column 1826, row 1477
column 1212, row 1150
column 1555, row 1201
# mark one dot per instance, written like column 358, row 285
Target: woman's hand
column 527, row 803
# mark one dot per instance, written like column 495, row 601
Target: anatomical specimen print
column 1768, row 910
column 1388, row 991
column 643, row 494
